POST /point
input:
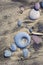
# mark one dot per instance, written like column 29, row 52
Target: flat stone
column 36, row 39
column 34, row 14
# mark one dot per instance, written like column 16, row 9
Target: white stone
column 22, row 8
column 7, row 53
column 34, row 14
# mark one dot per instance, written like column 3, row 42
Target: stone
column 30, row 30
column 7, row 53
column 19, row 23
column 36, row 39
column 34, row 14
column 37, row 6
column 13, row 47
column 25, row 53
column 22, row 8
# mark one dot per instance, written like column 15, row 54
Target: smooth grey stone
column 13, row 47
column 26, row 53
column 7, row 53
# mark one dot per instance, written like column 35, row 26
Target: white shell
column 34, row 14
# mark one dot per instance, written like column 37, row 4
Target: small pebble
column 30, row 30
column 36, row 39
column 37, row 6
column 7, row 53
column 34, row 14
column 41, row 4
column 26, row 53
column 22, row 8
column 19, row 23
column 13, row 47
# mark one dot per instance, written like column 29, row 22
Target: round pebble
column 19, row 23
column 13, row 47
column 34, row 14
column 22, row 8
column 37, row 6
column 41, row 4
column 7, row 53
column 26, row 53
column 36, row 39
